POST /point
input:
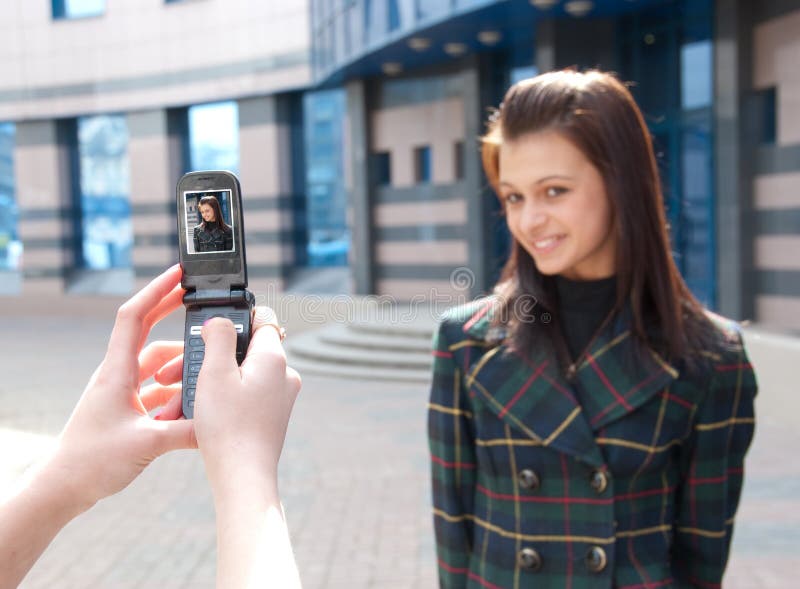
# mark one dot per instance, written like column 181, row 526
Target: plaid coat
column 620, row 478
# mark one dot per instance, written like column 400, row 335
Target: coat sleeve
column 712, row 472
column 453, row 464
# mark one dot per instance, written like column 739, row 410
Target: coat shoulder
column 470, row 320
column 726, row 340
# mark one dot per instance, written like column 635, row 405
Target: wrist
column 57, row 491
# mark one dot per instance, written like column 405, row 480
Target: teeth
column 545, row 242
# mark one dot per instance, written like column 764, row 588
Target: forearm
column 30, row 517
column 253, row 546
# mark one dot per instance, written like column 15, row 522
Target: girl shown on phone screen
column 589, row 421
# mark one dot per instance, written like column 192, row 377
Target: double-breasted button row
column 529, row 480
column 596, row 559
column 529, row 559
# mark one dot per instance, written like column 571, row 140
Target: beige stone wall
column 145, row 54
column 401, row 263
column 776, row 54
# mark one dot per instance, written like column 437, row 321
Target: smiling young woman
column 599, row 441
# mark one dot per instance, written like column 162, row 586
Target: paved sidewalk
column 354, row 476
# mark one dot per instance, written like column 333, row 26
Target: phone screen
column 209, row 221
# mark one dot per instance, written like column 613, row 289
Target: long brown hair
column 598, row 114
column 213, row 202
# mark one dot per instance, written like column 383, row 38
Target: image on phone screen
column 209, row 224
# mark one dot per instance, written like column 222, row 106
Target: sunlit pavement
column 354, row 475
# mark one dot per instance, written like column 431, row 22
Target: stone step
column 346, row 337
column 419, row 329
column 355, row 372
column 309, row 346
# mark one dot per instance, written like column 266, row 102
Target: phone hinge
column 210, row 297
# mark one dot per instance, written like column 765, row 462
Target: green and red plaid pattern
column 670, row 446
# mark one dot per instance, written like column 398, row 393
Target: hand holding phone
column 212, row 256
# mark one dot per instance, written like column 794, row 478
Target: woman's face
column 557, row 207
column 207, row 212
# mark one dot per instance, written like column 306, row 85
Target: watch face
column 209, row 221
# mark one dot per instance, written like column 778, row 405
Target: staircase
column 399, row 352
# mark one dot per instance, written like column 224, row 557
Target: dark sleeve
column 196, row 239
column 453, row 464
column 229, row 239
column 713, row 471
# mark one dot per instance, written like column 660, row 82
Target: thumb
column 174, row 435
column 219, row 336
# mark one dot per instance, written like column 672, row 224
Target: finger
column 167, row 305
column 123, row 345
column 156, row 395
column 171, row 372
column 172, row 409
column 156, row 355
column 219, row 336
column 265, row 344
column 173, row 435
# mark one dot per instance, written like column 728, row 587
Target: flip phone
column 212, row 257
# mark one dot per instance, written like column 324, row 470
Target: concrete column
column 545, row 45
column 265, row 171
column 359, row 181
column 44, row 168
column 734, row 159
column 156, row 153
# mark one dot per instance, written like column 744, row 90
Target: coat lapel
column 533, row 396
column 613, row 380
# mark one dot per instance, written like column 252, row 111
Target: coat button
column 599, row 481
column 596, row 559
column 528, row 479
column 528, row 558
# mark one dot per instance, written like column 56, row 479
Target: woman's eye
column 513, row 198
column 555, row 191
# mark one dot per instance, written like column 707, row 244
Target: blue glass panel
column 696, row 79
column 432, row 8
column 523, row 73
column 214, row 136
column 78, row 8
column 10, row 245
column 697, row 225
column 326, row 200
column 422, row 164
column 106, row 232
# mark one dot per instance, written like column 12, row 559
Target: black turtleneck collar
column 583, row 306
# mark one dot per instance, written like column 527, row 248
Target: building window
column 458, row 160
column 383, row 168
column 422, row 164
column 765, row 115
column 66, row 9
column 214, row 137
column 696, row 75
column 106, row 232
column 326, row 200
column 10, row 245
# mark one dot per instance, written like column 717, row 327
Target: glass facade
column 214, row 136
column 106, row 233
column 10, row 245
column 326, row 206
column 674, row 42
column 77, row 8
